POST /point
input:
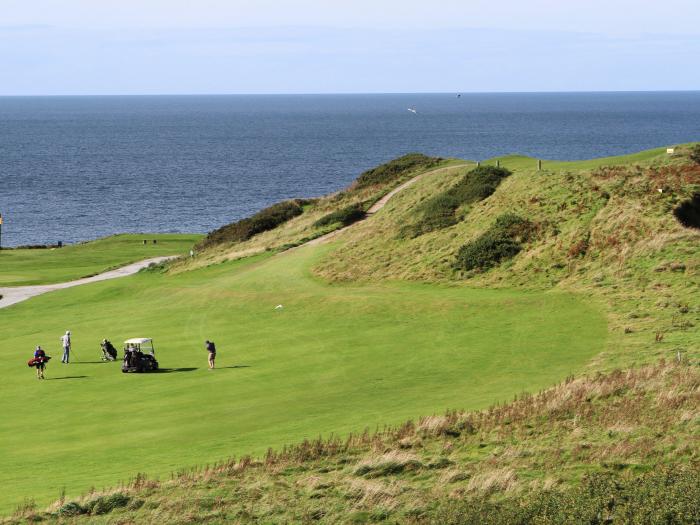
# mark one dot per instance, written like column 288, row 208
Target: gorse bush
column 688, row 212
column 393, row 170
column 695, row 154
column 500, row 242
column 669, row 496
column 345, row 216
column 264, row 220
column 440, row 211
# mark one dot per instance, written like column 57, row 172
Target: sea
column 78, row 168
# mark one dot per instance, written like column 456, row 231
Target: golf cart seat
column 139, row 355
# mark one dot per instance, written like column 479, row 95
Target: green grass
column 335, row 359
column 43, row 266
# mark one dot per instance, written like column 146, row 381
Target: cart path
column 17, row 294
column 381, row 203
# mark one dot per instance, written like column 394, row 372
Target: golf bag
column 35, row 361
column 109, row 353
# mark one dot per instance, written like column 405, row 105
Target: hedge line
column 394, row 169
column 440, row 211
column 499, row 243
column 266, row 219
column 345, row 216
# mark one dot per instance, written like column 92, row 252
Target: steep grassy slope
column 365, row 191
column 41, row 266
column 631, row 440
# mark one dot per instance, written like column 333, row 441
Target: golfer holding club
column 65, row 341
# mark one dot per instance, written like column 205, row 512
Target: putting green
column 53, row 265
column 335, row 358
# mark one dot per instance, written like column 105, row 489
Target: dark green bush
column 695, row 154
column 688, row 212
column 500, row 242
column 393, row 170
column 106, row 504
column 72, row 508
column 666, row 496
column 440, row 211
column 345, row 216
column 266, row 219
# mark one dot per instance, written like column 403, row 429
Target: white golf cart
column 139, row 355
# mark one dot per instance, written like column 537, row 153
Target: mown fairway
column 53, row 265
column 335, row 359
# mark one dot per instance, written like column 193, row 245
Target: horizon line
column 359, row 93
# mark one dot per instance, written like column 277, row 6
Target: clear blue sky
column 315, row 46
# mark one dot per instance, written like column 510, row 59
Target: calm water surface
column 75, row 168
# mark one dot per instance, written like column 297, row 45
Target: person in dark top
column 39, row 361
column 211, row 349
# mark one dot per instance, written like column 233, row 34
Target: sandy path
column 379, row 204
column 17, row 294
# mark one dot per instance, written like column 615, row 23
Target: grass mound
column 501, row 242
column 266, row 219
column 440, row 211
column 393, row 170
column 345, row 216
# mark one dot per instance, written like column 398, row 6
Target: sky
column 95, row 47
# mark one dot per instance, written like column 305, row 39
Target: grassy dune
column 43, row 266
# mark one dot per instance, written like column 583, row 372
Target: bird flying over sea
column 412, row 110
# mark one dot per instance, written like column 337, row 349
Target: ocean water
column 76, row 168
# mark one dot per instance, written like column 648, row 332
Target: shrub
column 345, row 216
column 266, row 219
column 695, row 154
column 393, row 170
column 688, row 212
column 106, row 504
column 72, row 508
column 440, row 211
column 666, row 496
column 500, row 242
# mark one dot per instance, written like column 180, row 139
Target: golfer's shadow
column 171, row 370
column 64, row 377
column 233, row 366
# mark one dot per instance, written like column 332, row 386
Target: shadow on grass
column 64, row 377
column 234, row 366
column 171, row 370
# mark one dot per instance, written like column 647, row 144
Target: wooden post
column 539, row 165
column 478, row 163
column 498, row 163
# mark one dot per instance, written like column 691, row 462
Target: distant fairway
column 336, row 358
column 53, row 265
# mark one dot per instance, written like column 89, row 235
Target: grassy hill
column 588, row 270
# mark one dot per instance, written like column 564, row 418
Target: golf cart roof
column 138, row 340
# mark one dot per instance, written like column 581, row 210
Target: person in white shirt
column 65, row 341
